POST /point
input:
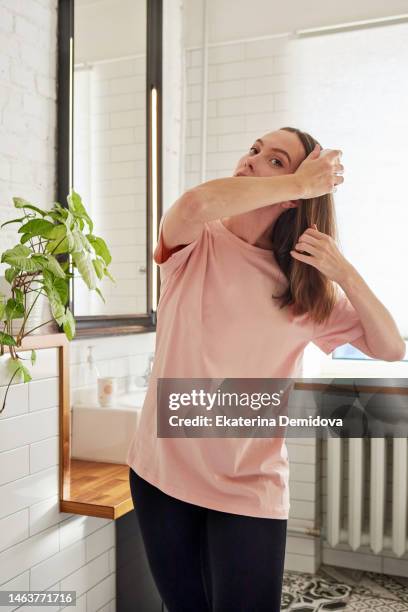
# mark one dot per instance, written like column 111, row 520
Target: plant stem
column 7, row 390
column 45, row 323
column 20, row 334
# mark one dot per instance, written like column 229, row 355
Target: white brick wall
column 40, row 548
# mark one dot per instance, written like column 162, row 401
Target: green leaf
column 18, row 250
column 7, row 339
column 10, row 274
column 37, row 227
column 60, row 240
column 16, row 366
column 65, row 265
column 33, row 357
column 21, row 203
column 57, row 308
column 81, row 241
column 99, row 292
column 109, row 275
column 2, row 307
column 25, row 238
column 13, row 221
column 62, row 286
column 76, row 206
column 99, row 267
column 56, row 216
column 86, row 269
column 19, row 296
column 69, row 324
column 18, row 257
column 52, row 265
column 22, row 263
column 26, row 374
column 61, row 209
column 100, row 247
column 56, row 247
column 39, row 258
column 14, row 309
column 71, row 242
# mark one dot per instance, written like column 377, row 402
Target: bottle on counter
column 91, row 376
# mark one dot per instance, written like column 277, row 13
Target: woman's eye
column 273, row 159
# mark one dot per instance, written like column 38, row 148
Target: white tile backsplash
column 14, row 463
column 44, row 454
column 87, row 576
column 43, row 393
column 28, row 428
column 58, row 566
column 14, row 528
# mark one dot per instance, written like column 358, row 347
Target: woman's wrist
column 348, row 277
column 297, row 185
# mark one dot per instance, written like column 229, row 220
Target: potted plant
column 39, row 269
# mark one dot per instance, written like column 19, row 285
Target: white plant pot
column 40, row 313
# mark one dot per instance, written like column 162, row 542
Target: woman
column 249, row 267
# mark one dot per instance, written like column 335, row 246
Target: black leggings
column 205, row 560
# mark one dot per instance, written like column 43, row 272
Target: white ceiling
column 236, row 19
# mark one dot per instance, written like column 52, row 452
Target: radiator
column 373, row 462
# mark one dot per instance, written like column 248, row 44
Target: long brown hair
column 308, row 290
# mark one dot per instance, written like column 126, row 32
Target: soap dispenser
column 91, row 378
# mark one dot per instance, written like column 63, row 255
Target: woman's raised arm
column 224, row 197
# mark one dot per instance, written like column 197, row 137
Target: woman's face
column 275, row 153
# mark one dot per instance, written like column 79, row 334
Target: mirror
column 109, row 146
column 109, row 151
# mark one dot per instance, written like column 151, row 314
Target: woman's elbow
column 192, row 205
column 398, row 353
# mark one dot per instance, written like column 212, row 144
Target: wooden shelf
column 93, row 488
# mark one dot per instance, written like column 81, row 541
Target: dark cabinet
column 135, row 588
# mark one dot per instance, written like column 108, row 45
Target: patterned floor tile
column 333, row 588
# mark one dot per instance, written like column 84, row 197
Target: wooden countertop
column 97, row 489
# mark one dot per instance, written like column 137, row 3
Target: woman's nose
column 250, row 164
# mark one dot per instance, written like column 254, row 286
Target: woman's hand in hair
column 317, row 175
column 320, row 250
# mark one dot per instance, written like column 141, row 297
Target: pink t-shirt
column 216, row 319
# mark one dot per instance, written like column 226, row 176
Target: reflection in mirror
column 109, row 146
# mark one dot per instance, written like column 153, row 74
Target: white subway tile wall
column 247, row 85
column 40, row 548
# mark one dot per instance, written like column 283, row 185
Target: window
column 350, row 91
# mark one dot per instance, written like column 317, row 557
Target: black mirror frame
column 101, row 325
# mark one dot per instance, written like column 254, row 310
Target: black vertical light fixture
column 154, row 142
column 65, row 97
